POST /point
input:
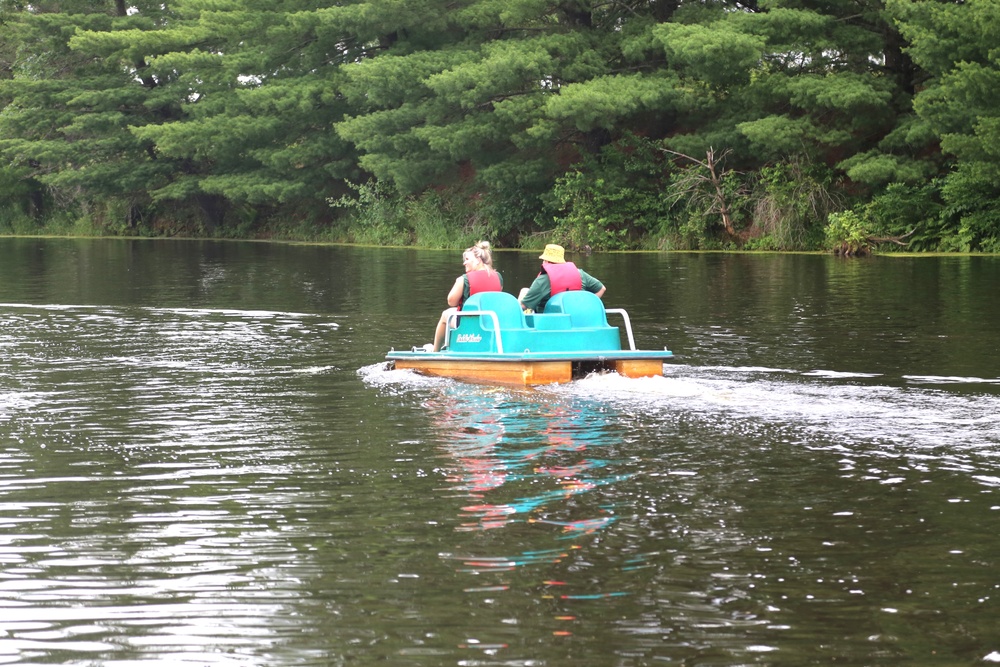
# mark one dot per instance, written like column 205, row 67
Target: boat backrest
column 505, row 305
column 584, row 308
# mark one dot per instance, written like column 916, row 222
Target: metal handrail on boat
column 628, row 324
column 470, row 313
column 499, row 337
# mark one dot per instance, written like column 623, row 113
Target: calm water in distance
column 203, row 461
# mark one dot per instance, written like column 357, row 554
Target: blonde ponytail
column 481, row 251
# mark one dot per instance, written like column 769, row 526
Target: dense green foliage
column 658, row 123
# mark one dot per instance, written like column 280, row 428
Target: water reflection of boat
column 496, row 342
column 520, row 461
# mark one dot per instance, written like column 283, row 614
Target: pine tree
column 956, row 45
column 66, row 118
column 253, row 82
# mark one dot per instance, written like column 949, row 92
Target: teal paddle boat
column 496, row 342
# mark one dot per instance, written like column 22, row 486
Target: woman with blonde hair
column 479, row 276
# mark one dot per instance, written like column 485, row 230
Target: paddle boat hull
column 495, row 342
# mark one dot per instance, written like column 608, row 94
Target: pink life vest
column 563, row 277
column 483, row 281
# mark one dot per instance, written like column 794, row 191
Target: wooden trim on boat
column 514, row 372
column 639, row 368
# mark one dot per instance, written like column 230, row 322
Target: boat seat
column 584, row 308
column 549, row 321
column 505, row 305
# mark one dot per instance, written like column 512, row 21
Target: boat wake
column 383, row 376
column 920, row 415
column 917, row 416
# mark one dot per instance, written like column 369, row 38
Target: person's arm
column 592, row 284
column 455, row 295
column 530, row 297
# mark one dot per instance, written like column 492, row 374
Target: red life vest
column 482, row 281
column 563, row 277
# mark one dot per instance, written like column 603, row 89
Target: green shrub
column 611, row 200
column 14, row 221
column 791, row 201
column 911, row 210
column 437, row 221
column 970, row 194
column 845, row 234
column 378, row 215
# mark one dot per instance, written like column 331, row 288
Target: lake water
column 203, row 461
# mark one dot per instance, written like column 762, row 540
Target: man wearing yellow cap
column 557, row 275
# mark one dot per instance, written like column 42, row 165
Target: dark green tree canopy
column 685, row 122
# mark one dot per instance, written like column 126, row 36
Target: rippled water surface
column 203, row 461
